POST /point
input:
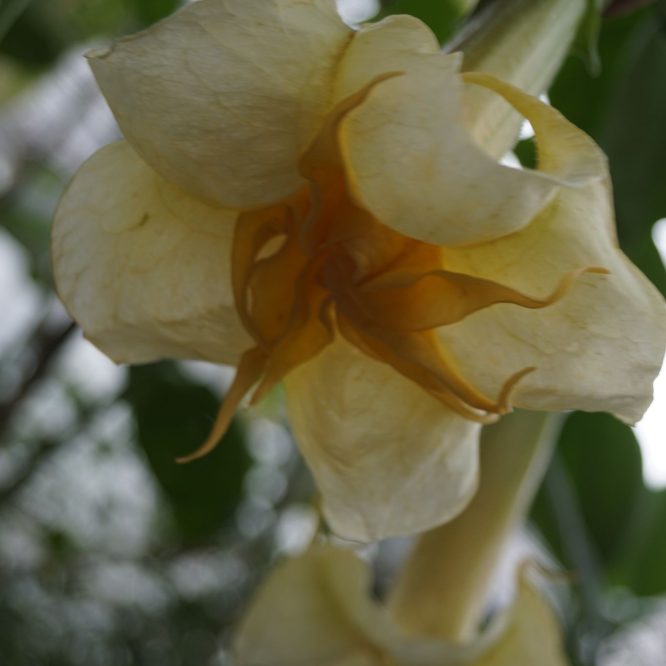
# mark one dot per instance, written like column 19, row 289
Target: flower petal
column 394, row 44
column 307, row 613
column 532, row 636
column 143, row 267
column 600, row 347
column 317, row 609
column 412, row 124
column 222, row 97
column 388, row 458
column 524, row 46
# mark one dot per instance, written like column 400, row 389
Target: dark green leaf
column 624, row 110
column 603, row 462
column 10, row 12
column 585, row 99
column 46, row 28
column 30, row 40
column 644, row 565
column 587, row 39
column 149, row 11
column 633, row 134
column 525, row 151
column 173, row 416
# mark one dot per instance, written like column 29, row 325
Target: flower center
column 317, row 265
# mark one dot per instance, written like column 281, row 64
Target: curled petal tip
column 504, row 400
column 597, row 270
column 98, row 53
column 209, row 445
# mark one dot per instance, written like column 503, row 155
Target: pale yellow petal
column 412, row 163
column 317, row 609
column 143, row 267
column 442, row 589
column 600, row 347
column 523, row 44
column 391, row 45
column 306, row 612
column 223, row 96
column 532, row 636
column 388, row 458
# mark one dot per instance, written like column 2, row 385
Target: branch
column 45, row 447
column 45, row 344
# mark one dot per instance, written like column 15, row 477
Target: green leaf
column 26, row 214
column 643, row 567
column 526, row 153
column 30, row 39
column 43, row 29
column 633, row 133
column 586, row 99
column 149, row 11
column 173, row 416
column 603, row 462
column 587, row 40
column 10, row 12
column 624, row 110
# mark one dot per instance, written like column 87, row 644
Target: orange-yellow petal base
column 317, row 265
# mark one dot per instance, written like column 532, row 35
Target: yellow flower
column 308, row 203
column 317, row 609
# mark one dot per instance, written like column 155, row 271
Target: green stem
column 443, row 588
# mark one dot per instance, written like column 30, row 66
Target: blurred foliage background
column 112, row 555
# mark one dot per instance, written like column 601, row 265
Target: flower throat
column 317, row 265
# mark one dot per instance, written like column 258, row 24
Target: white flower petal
column 223, row 96
column 410, row 158
column 600, row 347
column 143, row 267
column 391, row 45
column 388, row 458
column 302, row 615
column 525, row 46
column 317, row 609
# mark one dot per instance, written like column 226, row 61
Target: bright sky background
column 651, row 430
column 355, row 11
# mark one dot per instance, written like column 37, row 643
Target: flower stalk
column 434, row 612
column 514, row 456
